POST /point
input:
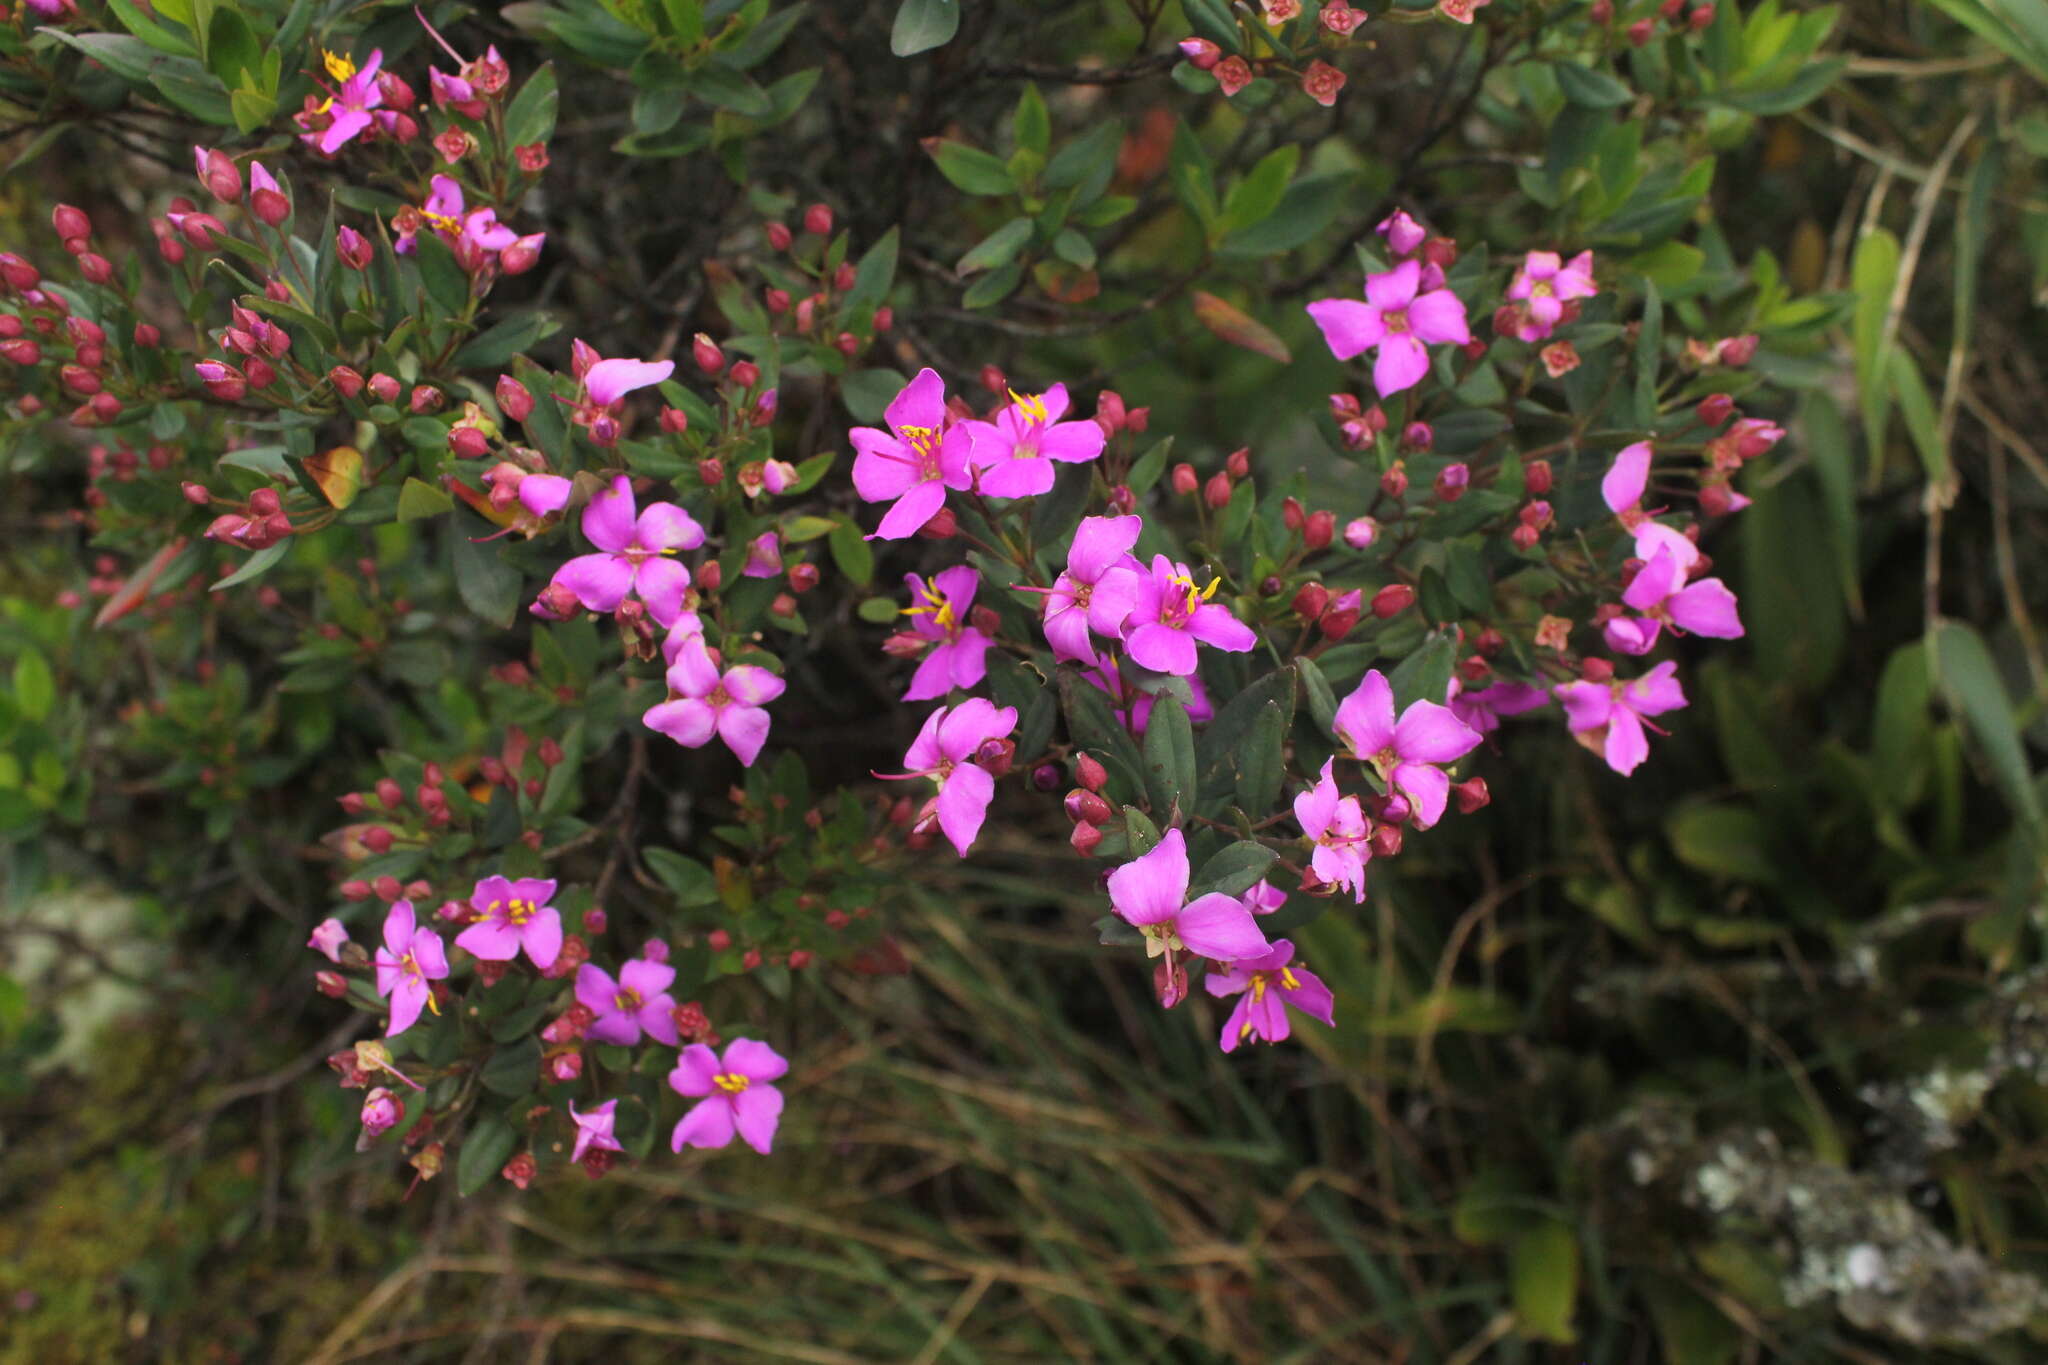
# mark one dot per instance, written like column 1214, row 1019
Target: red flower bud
column 746, row 373
column 387, row 889
column 818, row 220
column 95, row 267
column 1471, row 794
column 1217, row 492
column 1084, row 839
column 1536, row 477
column 1185, row 480
column 1394, row 483
column 1417, row 436
column 425, row 398
column 384, row 388
column 1451, row 482
column 468, row 443
column 942, row 526
column 1596, row 671
column 885, row 318
column 1291, row 514
column 1320, row 530
column 1392, row 600
column 1337, row 622
column 1310, row 600
column 779, row 236
column 1089, row 773
column 1641, row 31
column 1385, row 841
column 705, row 352
column 1239, row 465
column 70, row 222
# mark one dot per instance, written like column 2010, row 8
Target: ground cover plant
column 1142, row 680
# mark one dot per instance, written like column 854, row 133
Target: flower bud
column 1084, row 839
column 818, row 220
column 1394, row 483
column 425, row 398
column 1217, row 492
column 331, row 984
column 1715, row 409
column 1336, row 623
column 468, row 443
column 1417, row 436
column 779, row 236
column 18, row 273
column 942, row 526
column 384, row 388
column 1440, row 252
column 21, row 350
column 1361, row 532
column 1185, row 480
column 1291, row 514
column 745, row 373
column 1392, row 600
column 1596, row 671
column 70, row 222
column 1641, row 31
column 1089, row 773
column 1471, row 794
column 1310, row 600
column 565, row 1066
column 382, row 1111
column 705, row 352
column 1451, row 482
column 387, row 889
column 1320, row 530
column 1045, row 777
column 1201, row 53
column 1701, row 18
column 96, row 268
column 996, row 756
column 777, row 301
column 346, row 381
column 1385, row 841
column 1239, row 465
column 1122, row 500
column 1110, row 413
column 1602, row 11
column 885, row 318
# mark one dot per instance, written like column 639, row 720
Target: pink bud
column 425, row 398
column 1201, row 53
column 1451, row 482
column 1715, row 409
column 1361, row 532
column 779, row 236
column 96, row 268
column 1185, row 480
column 818, row 220
column 705, row 351
column 70, row 222
column 1320, row 530
column 1394, row 483
column 352, row 248
column 1392, row 600
column 384, row 388
column 1217, row 491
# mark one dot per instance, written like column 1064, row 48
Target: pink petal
column 1427, row 790
column 399, row 927
column 744, row 730
column 491, row 940
column 608, row 517
column 757, row 1111
column 1216, row 626
column 963, row 804
column 1627, row 746
column 661, row 583
column 924, row 754
column 1101, row 542
column 1217, row 926
column 1428, row 733
column 1401, row 364
column 1150, row 889
column 1438, row 317
column 1020, row 478
column 1623, row 485
column 1631, row 635
column 882, row 466
column 964, row 728
column 1067, row 632
column 752, row 685
column 755, row 1060
column 1365, row 719
column 1163, row 649
column 693, row 1071
column 1311, row 997
column 347, row 123
column 1393, row 289
column 1234, row 1030
column 912, row 510
column 1654, row 581
column 691, row 672
column 988, row 443
column 407, row 1000
column 600, row 581
column 665, row 526
column 1707, row 608
column 1316, row 807
column 1349, row 327
column 969, row 657
column 708, row 1124
column 1586, row 705
column 920, row 403
column 610, row 380
column 541, row 494
column 657, row 1017
column 1655, row 692
column 1072, row 442
column 645, row 978
column 595, row 988
column 687, row 721
column 543, row 938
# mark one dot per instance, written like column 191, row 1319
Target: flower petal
column 1365, row 719
column 1349, row 327
column 1428, row 733
column 963, row 804
column 1163, row 649
column 490, row 940
column 542, row 938
column 1218, row 926
column 708, row 1124
column 1401, row 364
column 687, row 721
column 744, row 730
column 610, row 380
column 1151, row 888
column 661, row 583
column 1622, row 486
column 757, row 1112
column 755, row 1060
column 916, row 507
column 1438, row 317
column 752, row 685
column 693, row 1071
column 608, row 517
column 1392, row 289
column 1707, row 608
column 920, row 403
column 665, row 526
column 1100, row 543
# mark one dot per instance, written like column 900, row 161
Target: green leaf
column 514, row 336
column 513, row 1071
column 232, row 48
column 1544, row 1274
column 35, row 687
column 1214, row 21
column 994, row 287
column 1649, row 356
column 1590, row 89
column 691, row 881
column 1970, row 681
column 999, row 248
column 1425, row 675
column 1144, row 834
column 1031, row 125
column 851, row 553
column 256, row 566
column 1916, row 405
column 1089, row 160
column 1253, row 199
column 485, row 1151
column 1494, row 1208
column 922, row 25
column 1093, row 726
column 1722, row 840
column 873, row 276
column 971, row 170
column 1308, row 207
column 1261, row 762
column 1193, row 176
column 1872, row 274
column 486, row 580
column 1170, row 758
column 1834, row 466
column 1216, row 751
column 447, row 283
column 724, row 88
column 867, row 393
column 1232, row 870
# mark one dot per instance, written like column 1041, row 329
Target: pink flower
column 412, row 957
column 1338, row 828
column 703, row 702
column 328, row 936
column 381, row 1110
column 1397, row 319
column 1544, row 283
column 737, row 1095
column 349, row 105
column 594, row 1129
column 764, row 556
column 1150, row 893
column 543, row 494
column 638, row 1000
column 633, row 554
column 513, row 915
column 1081, row 600
column 1403, row 233
column 944, row 751
column 1010, row 454
column 1483, row 709
column 1169, row 614
column 915, row 461
column 1263, row 898
column 1460, row 11
column 1404, row 752
column 1339, row 18
column 1261, row 1011
column 1280, row 11
column 1322, row 82
column 1608, row 718
column 1659, row 591
column 1232, row 74
column 940, row 614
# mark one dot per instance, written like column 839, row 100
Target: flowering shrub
column 563, row 626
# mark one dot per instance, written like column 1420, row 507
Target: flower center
column 441, row 222
column 626, row 1000
column 518, row 912
column 937, row 607
column 1162, row 938
column 924, row 444
column 719, row 697
column 1541, row 290
column 1190, row 597
column 409, row 965
column 1030, row 408
column 1396, row 321
column 731, row 1082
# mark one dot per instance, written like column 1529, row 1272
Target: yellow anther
column 338, row 66
column 440, row 222
column 1032, row 405
column 936, row 606
column 731, row 1082
column 1288, row 980
column 1258, row 987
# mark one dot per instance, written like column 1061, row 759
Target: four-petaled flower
column 1608, row 717
column 348, row 106
column 938, row 611
column 1265, row 986
column 1339, row 830
column 1460, row 11
column 944, row 751
column 1544, row 283
column 412, row 957
column 1404, row 752
column 594, row 1129
column 1169, row 613
column 633, row 554
column 1150, row 893
column 737, row 1095
column 1659, row 591
column 915, row 461
column 1399, row 318
column 1011, row 454
column 510, row 916
column 1321, row 83
column 705, row 702
column 637, row 1000
column 1088, row 597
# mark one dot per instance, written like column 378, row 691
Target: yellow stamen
column 1032, row 406
column 1258, row 987
column 338, row 66
column 440, row 222
column 1288, row 980
column 731, row 1082
column 936, row 606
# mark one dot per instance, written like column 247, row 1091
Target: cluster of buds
column 1320, row 81
column 1086, row 806
column 259, row 522
column 1110, row 413
column 811, row 304
column 1358, row 425
column 1673, row 13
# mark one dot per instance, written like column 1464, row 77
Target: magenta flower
column 764, row 556
column 1659, row 591
column 1483, row 709
column 737, row 1092
column 1543, row 285
column 328, row 936
column 511, row 916
column 1087, row 597
column 1400, row 317
column 1608, row 718
column 381, row 1110
column 944, row 751
column 637, row 1000
column 633, row 554
column 1263, row 898
column 349, row 104
column 1403, row 233
column 1622, row 487
column 446, row 213
column 594, row 1129
column 940, row 613
column 1150, row 893
column 1261, row 1010
column 1338, row 828
column 1011, row 453
column 703, row 702
column 1404, row 752
column 915, row 461
column 1169, row 613
column 412, row 957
